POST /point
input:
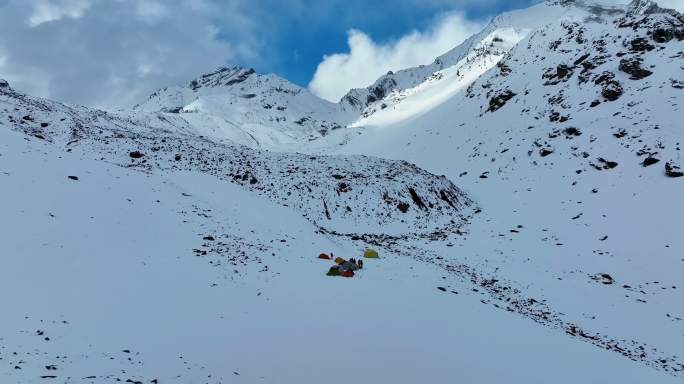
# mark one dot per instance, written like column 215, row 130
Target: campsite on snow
column 508, row 212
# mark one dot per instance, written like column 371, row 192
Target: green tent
column 371, row 254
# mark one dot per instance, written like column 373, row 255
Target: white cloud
column 45, row 11
column 151, row 9
column 114, row 53
column 368, row 60
column 674, row 4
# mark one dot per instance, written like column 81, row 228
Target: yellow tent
column 339, row 260
column 371, row 254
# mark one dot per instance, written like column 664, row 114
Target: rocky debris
column 650, row 161
column 641, row 44
column 4, row 84
column 135, row 155
column 571, row 132
column 603, row 278
column 545, row 151
column 561, row 73
column 222, row 77
column 672, row 170
column 498, row 101
column 612, row 90
column 620, row 133
column 504, row 295
column 632, row 67
column 604, row 164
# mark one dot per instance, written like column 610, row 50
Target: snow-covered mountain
column 523, row 191
column 244, row 107
column 571, row 144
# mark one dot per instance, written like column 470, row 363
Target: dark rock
column 177, row 157
column 136, row 155
column 672, row 170
column 650, row 161
column 442, row 289
column 572, row 132
column 75, row 178
column 416, row 199
column 582, row 58
column 612, row 90
column 603, row 278
column 44, row 125
column 403, row 207
column 620, row 134
column 545, row 152
column 498, row 101
column 604, row 164
column 632, row 66
column 641, row 44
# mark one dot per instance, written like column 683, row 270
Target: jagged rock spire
column 643, row 7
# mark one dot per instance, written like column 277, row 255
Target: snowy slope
column 555, row 257
column 572, row 147
column 260, row 111
column 103, row 285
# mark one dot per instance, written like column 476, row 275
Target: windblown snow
column 523, row 192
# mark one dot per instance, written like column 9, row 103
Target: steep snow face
column 571, row 145
column 351, row 195
column 410, row 92
column 405, row 103
column 260, row 111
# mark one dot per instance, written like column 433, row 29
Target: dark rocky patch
column 672, row 170
column 498, row 101
column 571, row 132
column 650, row 161
column 632, row 67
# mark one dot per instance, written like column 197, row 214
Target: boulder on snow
column 603, row 278
column 612, row 90
column 672, row 170
column 632, row 67
column 498, row 101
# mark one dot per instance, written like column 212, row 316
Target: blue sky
column 113, row 53
column 299, row 42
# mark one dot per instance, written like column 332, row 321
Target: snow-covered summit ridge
column 414, row 91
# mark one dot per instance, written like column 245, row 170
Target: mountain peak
column 222, row 76
column 4, row 84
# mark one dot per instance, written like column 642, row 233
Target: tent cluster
column 346, row 268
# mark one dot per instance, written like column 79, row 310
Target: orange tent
column 347, row 274
column 324, row 256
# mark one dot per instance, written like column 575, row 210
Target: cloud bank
column 114, row 53
column 367, row 60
